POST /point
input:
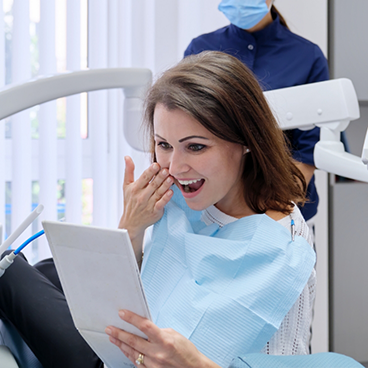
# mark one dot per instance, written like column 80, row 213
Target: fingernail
column 155, row 166
column 121, row 314
column 164, row 172
column 108, row 331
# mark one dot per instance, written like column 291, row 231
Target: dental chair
column 14, row 352
column 331, row 116
column 6, row 358
column 9, row 340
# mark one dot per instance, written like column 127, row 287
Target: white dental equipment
column 8, row 260
column 19, row 230
column 133, row 81
column 365, row 149
column 330, row 105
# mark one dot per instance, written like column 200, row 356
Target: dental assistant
column 259, row 37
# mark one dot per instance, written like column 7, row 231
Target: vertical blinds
column 68, row 154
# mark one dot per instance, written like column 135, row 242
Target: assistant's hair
column 222, row 94
column 274, row 10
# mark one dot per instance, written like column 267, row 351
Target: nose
column 178, row 164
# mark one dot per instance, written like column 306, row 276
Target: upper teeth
column 187, row 182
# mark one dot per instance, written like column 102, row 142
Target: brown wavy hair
column 275, row 11
column 222, row 94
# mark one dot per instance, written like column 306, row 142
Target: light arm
column 330, row 105
column 133, row 81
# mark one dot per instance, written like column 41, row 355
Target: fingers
column 155, row 182
column 158, row 180
column 161, row 184
column 120, row 336
column 128, row 351
column 143, row 324
column 129, row 170
column 148, row 175
column 145, row 198
column 126, row 341
column 164, row 200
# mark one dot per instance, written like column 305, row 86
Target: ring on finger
column 140, row 359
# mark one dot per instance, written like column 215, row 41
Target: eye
column 196, row 147
column 163, row 145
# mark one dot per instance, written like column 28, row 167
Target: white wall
column 307, row 19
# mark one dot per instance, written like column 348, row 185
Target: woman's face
column 206, row 168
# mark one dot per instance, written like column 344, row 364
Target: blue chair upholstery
column 24, row 358
column 320, row 360
column 6, row 358
column 19, row 349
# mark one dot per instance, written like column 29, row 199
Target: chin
column 196, row 206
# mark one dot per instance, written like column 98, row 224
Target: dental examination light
column 329, row 105
column 133, row 81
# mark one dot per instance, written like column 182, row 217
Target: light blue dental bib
column 226, row 289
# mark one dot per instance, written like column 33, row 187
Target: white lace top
column 293, row 336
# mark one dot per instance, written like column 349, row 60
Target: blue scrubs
column 279, row 59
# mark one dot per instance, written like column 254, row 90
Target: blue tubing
column 29, row 240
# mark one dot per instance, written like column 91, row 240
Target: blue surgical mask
column 244, row 14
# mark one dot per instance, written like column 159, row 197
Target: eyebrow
column 191, row 137
column 183, row 139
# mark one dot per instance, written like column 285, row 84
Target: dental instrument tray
column 99, row 275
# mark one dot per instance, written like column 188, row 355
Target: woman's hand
column 165, row 348
column 144, row 200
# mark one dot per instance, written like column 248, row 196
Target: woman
column 224, row 268
column 221, row 267
column 259, row 37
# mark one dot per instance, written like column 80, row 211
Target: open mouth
column 190, row 186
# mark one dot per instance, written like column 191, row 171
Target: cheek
column 162, row 159
column 233, row 162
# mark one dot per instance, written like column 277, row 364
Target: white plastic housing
column 330, row 105
column 133, row 81
column 314, row 104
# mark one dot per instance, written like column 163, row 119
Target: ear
column 245, row 150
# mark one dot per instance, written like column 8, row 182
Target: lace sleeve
column 293, row 336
